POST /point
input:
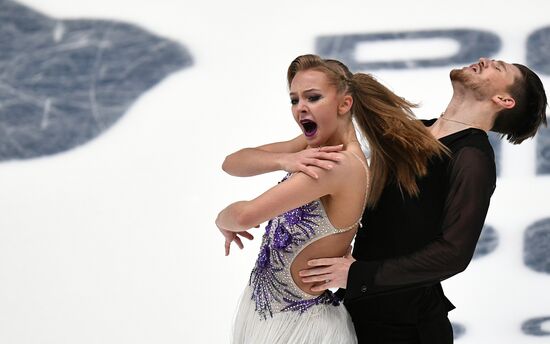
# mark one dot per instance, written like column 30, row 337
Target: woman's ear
column 345, row 104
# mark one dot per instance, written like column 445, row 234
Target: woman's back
column 343, row 212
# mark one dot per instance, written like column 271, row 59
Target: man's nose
column 484, row 62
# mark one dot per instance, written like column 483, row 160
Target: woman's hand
column 323, row 157
column 234, row 236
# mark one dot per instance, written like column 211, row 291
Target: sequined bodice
column 286, row 235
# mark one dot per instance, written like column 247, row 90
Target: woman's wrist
column 279, row 160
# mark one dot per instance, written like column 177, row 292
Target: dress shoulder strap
column 367, row 173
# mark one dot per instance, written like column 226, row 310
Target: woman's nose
column 301, row 106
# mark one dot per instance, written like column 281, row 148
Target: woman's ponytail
column 400, row 145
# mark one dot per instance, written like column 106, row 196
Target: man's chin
column 459, row 75
column 455, row 74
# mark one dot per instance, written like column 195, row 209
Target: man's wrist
column 361, row 278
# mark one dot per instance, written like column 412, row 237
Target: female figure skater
column 318, row 217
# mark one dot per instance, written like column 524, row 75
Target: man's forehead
column 514, row 69
column 510, row 67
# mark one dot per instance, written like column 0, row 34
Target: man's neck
column 463, row 113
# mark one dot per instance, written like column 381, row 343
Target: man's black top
column 409, row 244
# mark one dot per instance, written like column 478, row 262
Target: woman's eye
column 314, row 98
column 293, row 101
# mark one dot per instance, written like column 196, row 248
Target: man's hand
column 323, row 157
column 329, row 272
column 234, row 236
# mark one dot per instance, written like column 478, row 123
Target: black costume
column 409, row 244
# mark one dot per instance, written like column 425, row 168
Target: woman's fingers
column 235, row 237
column 238, row 241
column 329, row 156
column 324, row 164
column 331, row 148
column 227, row 246
column 323, row 160
column 309, row 172
column 246, row 234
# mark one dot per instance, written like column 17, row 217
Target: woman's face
column 314, row 106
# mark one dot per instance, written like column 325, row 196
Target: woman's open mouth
column 310, row 127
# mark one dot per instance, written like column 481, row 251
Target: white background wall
column 114, row 242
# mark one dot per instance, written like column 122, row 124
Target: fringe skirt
column 321, row 324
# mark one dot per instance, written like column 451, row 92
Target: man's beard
column 461, row 77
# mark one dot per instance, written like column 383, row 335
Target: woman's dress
column 272, row 308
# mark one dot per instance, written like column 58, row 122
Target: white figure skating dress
column 273, row 309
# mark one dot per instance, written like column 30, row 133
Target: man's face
column 487, row 78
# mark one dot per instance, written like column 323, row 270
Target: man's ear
column 504, row 101
column 345, row 105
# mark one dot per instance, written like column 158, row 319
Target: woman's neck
column 345, row 135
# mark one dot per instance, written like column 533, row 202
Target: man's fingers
column 246, row 234
column 315, row 271
column 322, row 261
column 317, row 278
column 348, row 252
column 322, row 286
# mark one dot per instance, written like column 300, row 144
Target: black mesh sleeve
column 472, row 179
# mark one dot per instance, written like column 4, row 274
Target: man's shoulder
column 474, row 149
column 471, row 137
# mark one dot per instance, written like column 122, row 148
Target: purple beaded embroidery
column 303, row 305
column 284, row 236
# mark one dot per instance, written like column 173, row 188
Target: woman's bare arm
column 297, row 190
column 290, row 156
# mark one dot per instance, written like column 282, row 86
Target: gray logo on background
column 458, row 330
column 496, row 143
column 538, row 46
column 536, row 249
column 534, row 327
column 64, row 82
column 543, row 151
column 487, row 243
column 472, row 45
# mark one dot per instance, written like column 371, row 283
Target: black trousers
column 412, row 316
column 435, row 331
